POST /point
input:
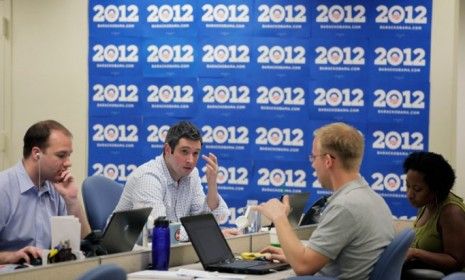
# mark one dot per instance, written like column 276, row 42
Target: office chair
column 389, row 264
column 100, row 195
column 104, row 272
column 422, row 274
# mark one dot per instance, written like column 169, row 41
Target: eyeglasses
column 312, row 157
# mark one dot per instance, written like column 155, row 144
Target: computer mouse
column 36, row 261
column 33, row 260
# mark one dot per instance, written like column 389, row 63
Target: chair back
column 389, row 264
column 104, row 272
column 100, row 195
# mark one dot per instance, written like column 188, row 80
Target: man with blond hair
column 356, row 224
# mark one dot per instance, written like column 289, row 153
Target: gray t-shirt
column 353, row 231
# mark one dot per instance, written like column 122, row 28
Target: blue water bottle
column 161, row 244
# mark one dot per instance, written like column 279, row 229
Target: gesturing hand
column 212, row 169
column 274, row 209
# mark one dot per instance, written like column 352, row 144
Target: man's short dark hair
column 37, row 135
column 437, row 172
column 183, row 129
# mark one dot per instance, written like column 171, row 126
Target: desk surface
column 182, row 255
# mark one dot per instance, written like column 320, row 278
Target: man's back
column 353, row 231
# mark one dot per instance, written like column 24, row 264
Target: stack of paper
column 184, row 274
column 66, row 229
column 156, row 274
column 201, row 274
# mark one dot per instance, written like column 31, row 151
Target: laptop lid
column 214, row 252
column 297, row 201
column 123, row 229
column 208, row 240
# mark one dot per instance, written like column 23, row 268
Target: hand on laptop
column 274, row 253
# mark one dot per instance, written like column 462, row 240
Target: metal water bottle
column 161, row 244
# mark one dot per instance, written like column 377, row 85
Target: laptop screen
column 297, row 202
column 123, row 229
column 207, row 239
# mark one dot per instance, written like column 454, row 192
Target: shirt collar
column 354, row 184
column 25, row 182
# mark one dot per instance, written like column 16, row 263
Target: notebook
column 214, row 252
column 124, row 229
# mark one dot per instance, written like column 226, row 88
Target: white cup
column 175, row 233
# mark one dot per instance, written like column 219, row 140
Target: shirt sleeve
column 335, row 230
column 62, row 210
column 200, row 205
column 221, row 212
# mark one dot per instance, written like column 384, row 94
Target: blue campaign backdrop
column 258, row 77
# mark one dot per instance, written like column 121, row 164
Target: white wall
column 5, row 81
column 49, row 74
column 445, row 135
column 460, row 127
column 49, row 71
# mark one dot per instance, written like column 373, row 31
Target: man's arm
column 68, row 190
column 214, row 201
column 212, row 174
column 24, row 253
column 74, row 208
column 303, row 260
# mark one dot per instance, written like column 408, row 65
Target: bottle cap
column 162, row 222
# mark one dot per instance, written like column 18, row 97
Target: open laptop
column 297, row 201
column 313, row 214
column 214, row 252
column 121, row 232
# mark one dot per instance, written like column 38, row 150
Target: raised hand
column 212, row 169
column 274, row 209
column 66, row 185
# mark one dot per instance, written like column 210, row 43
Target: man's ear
column 35, row 153
column 166, row 149
column 329, row 162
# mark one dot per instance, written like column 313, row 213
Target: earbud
column 37, row 155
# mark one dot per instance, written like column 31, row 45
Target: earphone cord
column 40, row 171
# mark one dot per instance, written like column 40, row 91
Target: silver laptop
column 124, row 229
column 297, row 201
